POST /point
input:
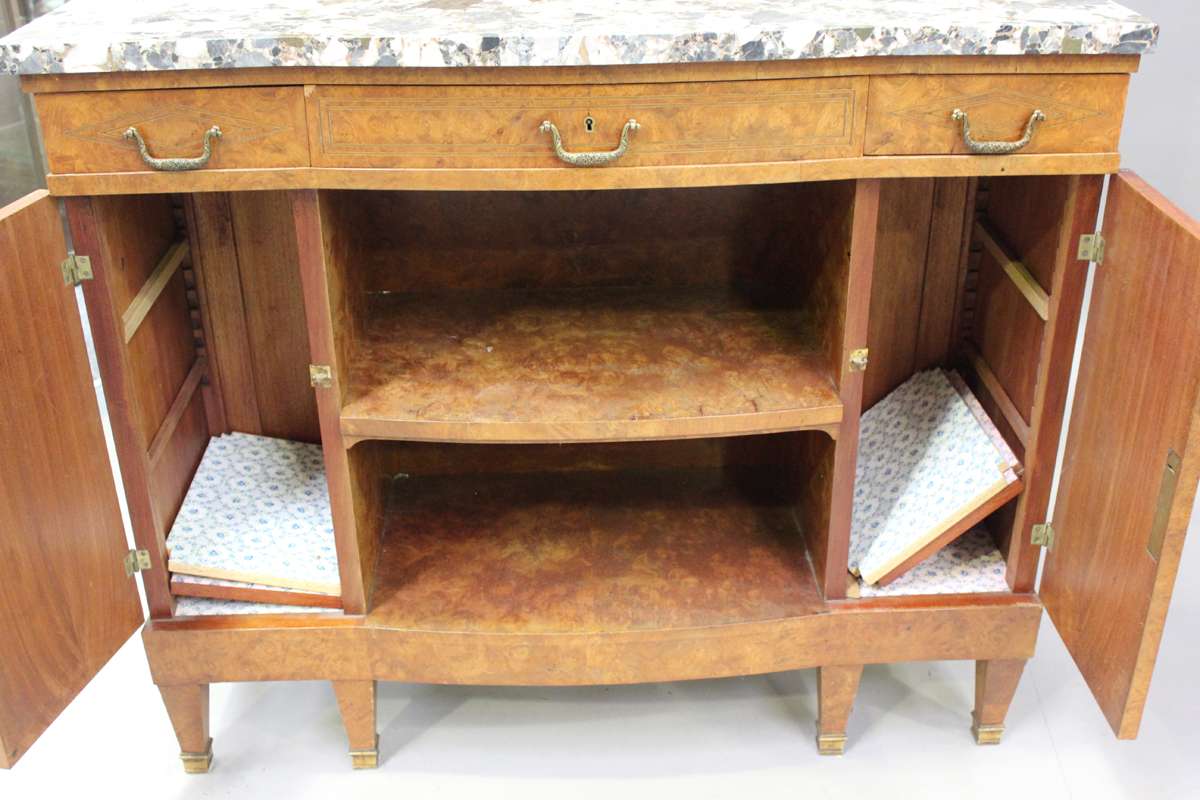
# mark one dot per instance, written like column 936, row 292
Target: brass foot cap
column 831, row 744
column 986, row 734
column 366, row 759
column 196, row 763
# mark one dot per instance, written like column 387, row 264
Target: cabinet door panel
column 66, row 604
column 1121, row 515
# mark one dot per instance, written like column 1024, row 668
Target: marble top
column 145, row 35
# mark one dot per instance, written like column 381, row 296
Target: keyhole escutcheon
column 589, row 124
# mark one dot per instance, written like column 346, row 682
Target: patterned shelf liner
column 257, row 512
column 971, row 563
column 927, row 456
column 207, row 606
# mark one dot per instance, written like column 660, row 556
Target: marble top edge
column 149, row 35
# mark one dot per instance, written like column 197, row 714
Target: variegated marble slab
column 258, row 512
column 923, row 458
column 971, row 563
column 137, row 35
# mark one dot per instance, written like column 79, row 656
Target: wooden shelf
column 585, row 364
column 591, row 552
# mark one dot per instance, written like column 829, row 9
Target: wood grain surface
column 1136, row 397
column 181, row 588
column 912, row 114
column 995, row 684
column 320, row 245
column 585, row 364
column 552, row 179
column 262, row 127
column 327, row 647
column 67, row 603
column 576, row 552
column 276, row 333
column 737, row 235
column 1068, row 208
column 491, row 127
column 901, row 248
column 137, row 400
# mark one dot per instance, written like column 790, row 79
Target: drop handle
column 995, row 148
column 175, row 164
column 589, row 159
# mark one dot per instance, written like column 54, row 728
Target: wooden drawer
column 911, row 114
column 496, row 127
column 262, row 128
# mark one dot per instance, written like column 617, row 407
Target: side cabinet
column 180, row 369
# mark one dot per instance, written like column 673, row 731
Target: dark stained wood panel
column 276, row 332
column 135, row 232
column 1027, row 212
column 1008, row 333
column 577, row 552
column 585, row 364
column 901, row 246
column 1136, row 400
column 434, row 241
column 66, row 603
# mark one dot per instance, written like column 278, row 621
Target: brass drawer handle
column 995, row 148
column 590, row 159
column 176, row 164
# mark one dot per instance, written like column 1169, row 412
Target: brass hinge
column 858, row 360
column 1043, row 536
column 1091, row 247
column 136, row 561
column 321, row 377
column 76, row 268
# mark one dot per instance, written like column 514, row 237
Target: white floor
column 748, row 737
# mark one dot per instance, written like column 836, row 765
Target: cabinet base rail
column 997, row 631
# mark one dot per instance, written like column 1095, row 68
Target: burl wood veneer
column 576, row 364
column 589, row 552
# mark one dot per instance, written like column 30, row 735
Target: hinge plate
column 136, row 561
column 75, row 269
column 1091, row 247
column 858, row 360
column 1043, row 536
column 320, row 376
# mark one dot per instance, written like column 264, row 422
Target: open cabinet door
column 1132, row 456
column 66, row 604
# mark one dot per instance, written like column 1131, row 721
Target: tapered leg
column 836, row 687
column 995, row 685
column 187, row 705
column 357, row 701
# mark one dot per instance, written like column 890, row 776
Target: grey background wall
column 1160, row 139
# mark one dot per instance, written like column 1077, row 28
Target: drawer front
column 261, row 128
column 496, row 127
column 911, row 114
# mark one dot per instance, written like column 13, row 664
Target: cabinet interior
column 492, row 295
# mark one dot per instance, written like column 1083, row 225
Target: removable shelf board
column 183, row 585
column 930, row 466
column 593, row 551
column 258, row 512
column 969, row 564
column 585, row 364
